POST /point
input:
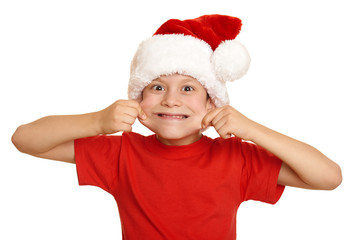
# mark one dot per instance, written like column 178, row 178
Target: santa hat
column 204, row 48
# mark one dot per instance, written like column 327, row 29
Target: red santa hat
column 204, row 48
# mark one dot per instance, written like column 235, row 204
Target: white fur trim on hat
column 187, row 55
column 175, row 53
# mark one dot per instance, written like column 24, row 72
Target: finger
column 224, row 132
column 207, row 120
column 218, row 123
column 221, row 126
column 138, row 110
column 127, row 119
column 130, row 103
column 126, row 128
column 142, row 115
column 130, row 111
column 220, row 119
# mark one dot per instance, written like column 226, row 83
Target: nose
column 171, row 99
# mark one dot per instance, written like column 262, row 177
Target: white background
column 71, row 56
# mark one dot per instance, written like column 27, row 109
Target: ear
column 210, row 105
column 140, row 97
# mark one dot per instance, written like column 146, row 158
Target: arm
column 303, row 166
column 52, row 137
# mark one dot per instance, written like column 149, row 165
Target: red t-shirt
column 178, row 192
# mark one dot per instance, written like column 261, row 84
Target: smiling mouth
column 172, row 116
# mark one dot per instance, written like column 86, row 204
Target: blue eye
column 187, row 88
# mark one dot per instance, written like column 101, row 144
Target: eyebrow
column 157, row 80
column 184, row 81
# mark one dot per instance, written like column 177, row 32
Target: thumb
column 142, row 115
column 207, row 120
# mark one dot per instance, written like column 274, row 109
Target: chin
column 180, row 136
column 175, row 132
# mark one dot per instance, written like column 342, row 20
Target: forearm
column 311, row 166
column 46, row 133
column 304, row 166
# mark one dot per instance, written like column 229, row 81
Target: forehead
column 177, row 79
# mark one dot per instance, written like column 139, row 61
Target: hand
column 120, row 116
column 227, row 121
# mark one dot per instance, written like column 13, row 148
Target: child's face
column 175, row 106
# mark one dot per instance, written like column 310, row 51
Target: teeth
column 173, row 116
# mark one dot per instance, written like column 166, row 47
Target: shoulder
column 235, row 142
column 226, row 147
column 112, row 138
column 103, row 144
column 97, row 144
column 226, row 143
column 132, row 136
column 98, row 139
column 136, row 141
column 237, row 146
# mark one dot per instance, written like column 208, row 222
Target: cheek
column 197, row 103
column 144, row 105
column 198, row 108
column 147, row 103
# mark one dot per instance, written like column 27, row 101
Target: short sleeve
column 97, row 161
column 260, row 172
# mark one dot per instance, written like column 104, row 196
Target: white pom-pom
column 230, row 60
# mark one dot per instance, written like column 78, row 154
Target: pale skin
column 177, row 109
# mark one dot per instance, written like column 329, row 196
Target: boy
column 177, row 183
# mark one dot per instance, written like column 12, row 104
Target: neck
column 181, row 141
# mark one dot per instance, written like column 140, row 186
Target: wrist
column 88, row 124
column 95, row 121
column 254, row 132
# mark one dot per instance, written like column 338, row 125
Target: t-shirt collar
column 177, row 152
